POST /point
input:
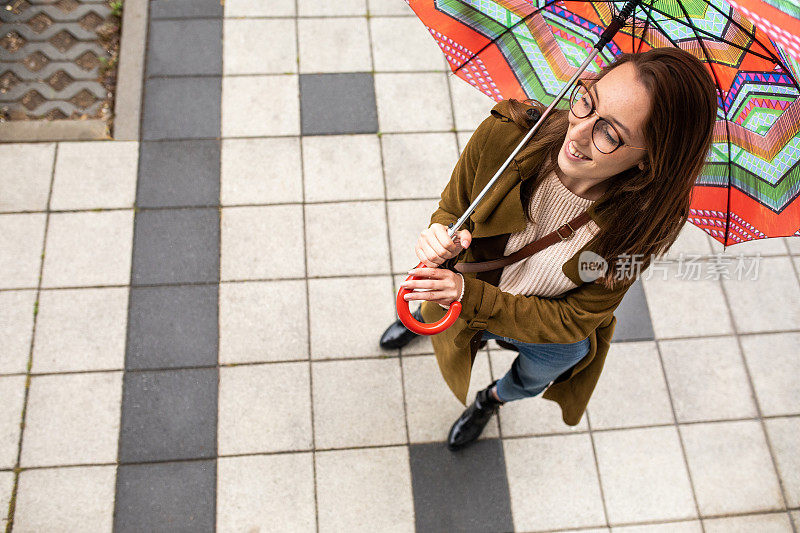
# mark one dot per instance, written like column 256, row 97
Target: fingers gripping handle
column 421, row 328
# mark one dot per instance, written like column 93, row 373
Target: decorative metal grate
column 51, row 56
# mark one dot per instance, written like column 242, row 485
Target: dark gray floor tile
column 633, row 316
column 185, row 8
column 178, row 173
column 175, row 246
column 462, row 491
column 182, row 108
column 180, row 47
column 338, row 103
column 169, row 415
column 168, row 497
column 172, row 326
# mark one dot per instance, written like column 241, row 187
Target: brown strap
column 530, row 248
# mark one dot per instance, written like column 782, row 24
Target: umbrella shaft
column 454, row 227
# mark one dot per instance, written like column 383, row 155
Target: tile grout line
column 305, row 277
column 759, row 413
column 677, row 426
column 385, row 201
column 12, row 503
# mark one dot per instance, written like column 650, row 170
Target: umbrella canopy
column 749, row 188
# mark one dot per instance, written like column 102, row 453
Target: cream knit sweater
column 540, row 274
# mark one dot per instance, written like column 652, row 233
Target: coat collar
column 501, row 210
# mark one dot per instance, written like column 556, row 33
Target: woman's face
column 624, row 102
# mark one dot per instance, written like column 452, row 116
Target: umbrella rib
column 727, row 131
column 753, row 36
column 490, row 43
column 711, row 35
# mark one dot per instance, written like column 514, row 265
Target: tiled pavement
column 186, row 346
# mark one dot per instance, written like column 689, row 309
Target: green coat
column 585, row 311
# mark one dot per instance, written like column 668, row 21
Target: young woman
column 628, row 152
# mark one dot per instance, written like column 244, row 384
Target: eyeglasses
column 605, row 136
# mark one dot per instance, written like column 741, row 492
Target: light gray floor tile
column 261, row 171
column 644, row 475
column 470, row 107
column 529, row 416
column 389, row 7
column 6, row 486
column 707, row 379
column 260, row 105
column 793, row 243
column 633, row 316
column 407, row 219
column 731, row 468
column 683, row 526
column 796, row 518
column 16, row 329
column 82, row 410
column 674, row 309
column 769, row 302
column 81, row 329
column 88, row 248
column 257, row 8
column 364, row 490
column 71, row 499
column 21, row 239
column 263, row 321
column 763, row 523
column 12, row 390
column 773, row 361
column 426, row 93
column 417, row 50
column 337, row 330
column 266, row 491
column 346, row 238
column 574, row 501
column 783, row 437
column 432, row 407
column 372, row 391
column 334, row 45
column 264, row 408
column 418, row 165
column 27, row 170
column 309, row 8
column 643, row 400
column 262, row 242
column 342, row 167
column 92, row 175
column 272, row 41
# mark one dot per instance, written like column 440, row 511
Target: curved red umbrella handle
column 422, row 328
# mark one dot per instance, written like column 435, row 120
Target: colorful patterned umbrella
column 750, row 184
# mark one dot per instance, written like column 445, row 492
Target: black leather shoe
column 398, row 335
column 470, row 424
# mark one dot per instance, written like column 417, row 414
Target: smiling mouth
column 571, row 150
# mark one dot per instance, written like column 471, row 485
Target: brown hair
column 642, row 210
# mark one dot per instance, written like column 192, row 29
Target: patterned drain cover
column 51, row 58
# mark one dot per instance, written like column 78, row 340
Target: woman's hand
column 444, row 286
column 434, row 246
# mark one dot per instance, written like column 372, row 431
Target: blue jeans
column 536, row 366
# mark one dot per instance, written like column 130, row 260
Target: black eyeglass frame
column 593, row 111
